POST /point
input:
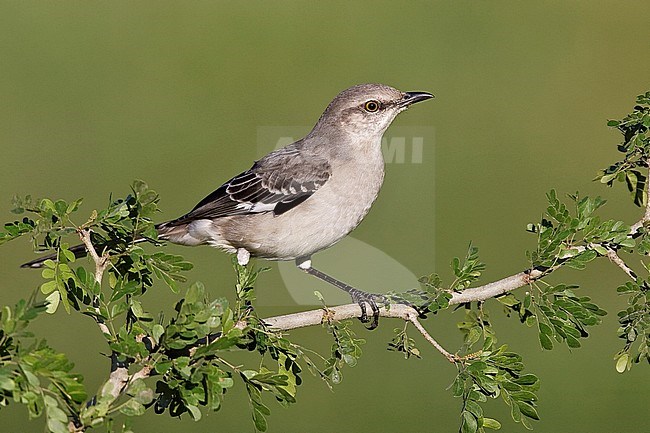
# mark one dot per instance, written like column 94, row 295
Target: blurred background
column 186, row 94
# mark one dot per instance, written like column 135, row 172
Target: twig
column 341, row 312
column 119, row 376
column 413, row 318
column 618, row 261
column 496, row 288
column 399, row 311
column 143, row 373
column 350, row 311
column 101, row 263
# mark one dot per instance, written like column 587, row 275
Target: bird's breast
column 326, row 217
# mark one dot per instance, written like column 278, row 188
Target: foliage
column 632, row 169
column 34, row 374
column 634, row 324
column 178, row 361
column 491, row 372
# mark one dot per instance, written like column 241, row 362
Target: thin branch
column 350, row 311
column 143, row 373
column 315, row 317
column 496, row 288
column 399, row 311
column 119, row 376
column 413, row 318
column 341, row 312
column 618, row 261
column 101, row 263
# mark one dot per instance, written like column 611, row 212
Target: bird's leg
column 358, row 296
column 243, row 256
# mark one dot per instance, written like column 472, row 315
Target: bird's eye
column 371, row 106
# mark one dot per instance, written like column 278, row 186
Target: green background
column 95, row 94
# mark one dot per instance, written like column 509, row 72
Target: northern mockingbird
column 306, row 196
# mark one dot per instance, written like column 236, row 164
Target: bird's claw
column 362, row 298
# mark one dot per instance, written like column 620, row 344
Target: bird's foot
column 362, row 298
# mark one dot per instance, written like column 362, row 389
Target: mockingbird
column 304, row 197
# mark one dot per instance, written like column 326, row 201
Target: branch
column 399, row 311
column 101, row 263
column 618, row 261
column 119, row 376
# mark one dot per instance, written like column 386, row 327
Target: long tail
column 78, row 250
column 167, row 231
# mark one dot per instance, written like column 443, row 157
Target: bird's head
column 367, row 109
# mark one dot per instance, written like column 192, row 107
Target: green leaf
column 545, row 341
column 491, row 423
column 49, row 287
column 52, row 300
column 622, row 362
column 156, row 332
column 608, row 177
column 56, row 426
column 469, row 423
column 31, row 378
column 528, row 410
column 132, row 408
column 458, row 387
column 194, row 412
column 259, row 420
column 572, row 342
column 474, row 408
column 477, row 367
column 7, row 384
column 600, row 249
column 526, row 379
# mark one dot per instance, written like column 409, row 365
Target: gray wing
column 277, row 183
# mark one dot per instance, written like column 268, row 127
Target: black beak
column 413, row 97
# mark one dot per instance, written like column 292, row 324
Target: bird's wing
column 276, row 183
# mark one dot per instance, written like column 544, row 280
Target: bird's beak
column 413, row 97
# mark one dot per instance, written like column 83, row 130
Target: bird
column 304, row 197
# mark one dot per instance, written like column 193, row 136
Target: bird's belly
column 317, row 223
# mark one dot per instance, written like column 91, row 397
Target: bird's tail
column 77, row 250
column 166, row 231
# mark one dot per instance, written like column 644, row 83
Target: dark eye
column 371, row 106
